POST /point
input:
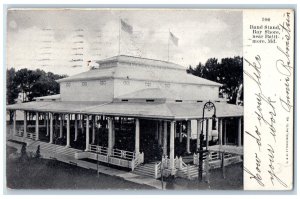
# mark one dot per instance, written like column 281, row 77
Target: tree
column 228, row 72
column 11, row 86
column 11, row 90
column 36, row 83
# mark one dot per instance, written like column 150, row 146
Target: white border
column 154, row 3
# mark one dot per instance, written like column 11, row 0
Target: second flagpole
column 119, row 35
column 168, row 44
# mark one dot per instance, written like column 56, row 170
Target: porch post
column 87, row 134
column 61, row 126
column 180, row 132
column 207, row 130
column 137, row 136
column 113, row 132
column 225, row 133
column 76, row 128
column 81, row 121
column 15, row 123
column 160, row 132
column 37, row 126
column 198, row 133
column 68, row 130
column 165, row 137
column 109, row 121
column 47, row 123
column 51, row 128
column 188, row 137
column 45, row 119
column 93, row 129
column 220, row 136
column 239, row 131
column 25, row 124
column 156, row 130
column 172, row 135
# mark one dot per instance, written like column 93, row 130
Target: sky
column 63, row 41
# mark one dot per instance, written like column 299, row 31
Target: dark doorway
column 148, row 140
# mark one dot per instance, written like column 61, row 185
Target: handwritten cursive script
column 283, row 65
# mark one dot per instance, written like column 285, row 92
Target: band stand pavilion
column 130, row 112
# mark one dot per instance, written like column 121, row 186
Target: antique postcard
column 149, row 99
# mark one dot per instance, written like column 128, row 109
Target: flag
column 174, row 39
column 126, row 27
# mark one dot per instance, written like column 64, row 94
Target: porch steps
column 190, row 172
column 52, row 148
column 146, row 170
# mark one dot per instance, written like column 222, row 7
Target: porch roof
column 167, row 110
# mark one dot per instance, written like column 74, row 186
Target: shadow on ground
column 36, row 173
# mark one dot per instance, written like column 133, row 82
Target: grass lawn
column 36, row 173
column 50, row 174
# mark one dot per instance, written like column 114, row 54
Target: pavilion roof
column 140, row 69
column 166, row 110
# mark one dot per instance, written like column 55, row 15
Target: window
column 124, row 100
column 102, row 82
column 126, row 82
column 178, row 100
column 149, row 100
column 84, row 83
column 148, row 84
column 68, row 84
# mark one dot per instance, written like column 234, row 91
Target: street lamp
column 209, row 106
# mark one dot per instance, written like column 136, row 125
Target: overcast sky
column 62, row 41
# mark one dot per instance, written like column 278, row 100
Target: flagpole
column 168, row 44
column 119, row 35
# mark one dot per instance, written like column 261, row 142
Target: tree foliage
column 228, row 72
column 31, row 83
column 11, row 86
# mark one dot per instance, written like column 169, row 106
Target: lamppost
column 209, row 106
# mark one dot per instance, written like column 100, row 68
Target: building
column 131, row 112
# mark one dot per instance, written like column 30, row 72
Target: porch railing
column 157, row 170
column 118, row 157
column 212, row 156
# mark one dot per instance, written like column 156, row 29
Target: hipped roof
column 140, row 69
column 171, row 110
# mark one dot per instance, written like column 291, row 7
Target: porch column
column 45, row 118
column 25, row 124
column 15, row 123
column 240, row 131
column 198, row 133
column 160, row 132
column 165, row 138
column 37, row 126
column 80, row 121
column 76, row 128
column 180, row 132
column 188, row 137
column 61, row 126
column 156, row 130
column 220, row 136
column 172, row 137
column 225, row 132
column 109, row 121
column 68, row 130
column 51, row 128
column 47, row 124
column 87, row 134
column 207, row 130
column 137, row 136
column 93, row 128
column 113, row 132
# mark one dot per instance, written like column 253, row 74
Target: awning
column 167, row 110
